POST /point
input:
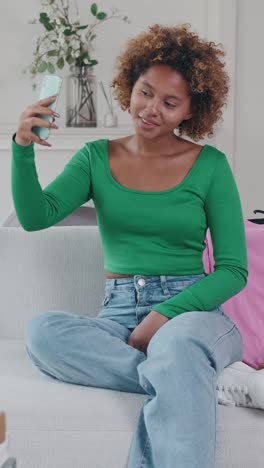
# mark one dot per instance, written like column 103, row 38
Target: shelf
column 67, row 138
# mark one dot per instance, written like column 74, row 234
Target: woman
column 162, row 330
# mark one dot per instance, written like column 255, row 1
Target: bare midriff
column 110, row 275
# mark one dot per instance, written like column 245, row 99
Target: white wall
column 249, row 120
column 235, row 23
column 17, row 36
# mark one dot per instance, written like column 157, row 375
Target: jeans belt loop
column 163, row 284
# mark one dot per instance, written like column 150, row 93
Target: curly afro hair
column 198, row 62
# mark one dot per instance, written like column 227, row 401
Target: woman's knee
column 38, row 334
column 178, row 337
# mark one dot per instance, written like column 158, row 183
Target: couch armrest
column 59, row 268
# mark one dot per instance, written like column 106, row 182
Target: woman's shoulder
column 191, row 146
column 187, row 145
column 119, row 143
column 106, row 144
column 99, row 145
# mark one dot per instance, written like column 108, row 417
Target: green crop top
column 142, row 232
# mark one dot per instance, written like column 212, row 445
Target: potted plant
column 66, row 41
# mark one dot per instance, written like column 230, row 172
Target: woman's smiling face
column 159, row 101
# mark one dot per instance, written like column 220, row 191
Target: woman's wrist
column 20, row 141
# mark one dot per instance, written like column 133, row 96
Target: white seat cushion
column 43, row 414
column 47, row 418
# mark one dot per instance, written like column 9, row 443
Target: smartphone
column 51, row 84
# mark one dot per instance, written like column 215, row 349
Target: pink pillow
column 246, row 309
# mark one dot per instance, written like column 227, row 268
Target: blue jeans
column 177, row 423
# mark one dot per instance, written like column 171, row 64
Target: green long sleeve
column 39, row 209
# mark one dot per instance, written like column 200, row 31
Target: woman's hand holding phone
column 29, row 118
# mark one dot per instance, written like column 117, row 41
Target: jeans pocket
column 176, row 286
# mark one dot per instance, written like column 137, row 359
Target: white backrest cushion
column 59, row 268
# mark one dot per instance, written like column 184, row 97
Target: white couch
column 53, row 424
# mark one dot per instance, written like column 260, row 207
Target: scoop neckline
column 147, row 192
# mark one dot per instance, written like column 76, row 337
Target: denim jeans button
column 141, row 282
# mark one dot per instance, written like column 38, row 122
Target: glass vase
column 81, row 97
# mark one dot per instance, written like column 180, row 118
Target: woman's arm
column 226, row 224
column 39, row 209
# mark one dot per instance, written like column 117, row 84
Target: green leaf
column 42, row 67
column 68, row 32
column 52, row 53
column 43, row 17
column 70, row 59
column 101, row 15
column 94, row 9
column 93, row 62
column 51, row 68
column 60, row 63
column 45, row 20
column 48, row 26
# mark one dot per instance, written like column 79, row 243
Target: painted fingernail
column 56, row 115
